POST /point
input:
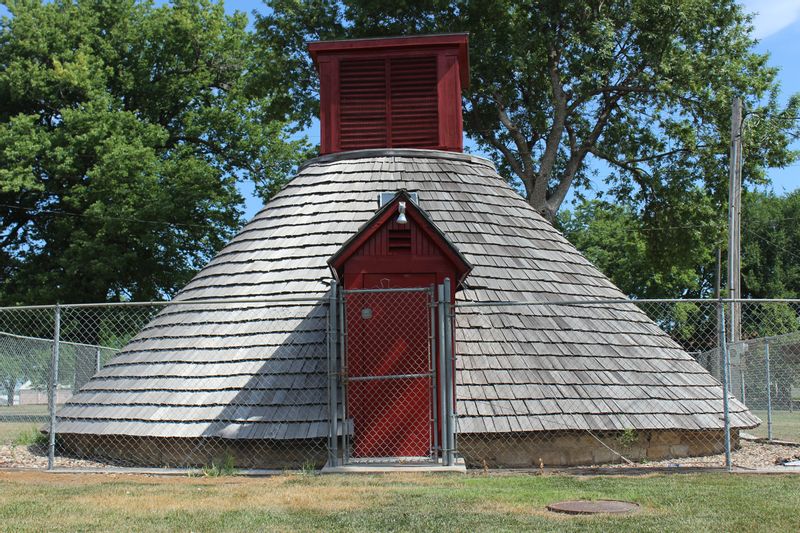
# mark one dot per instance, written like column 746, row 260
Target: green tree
column 638, row 258
column 644, row 87
column 124, row 128
column 23, row 359
column 771, row 245
column 634, row 254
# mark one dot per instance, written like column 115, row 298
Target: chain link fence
column 180, row 384
column 248, row 383
column 764, row 367
column 608, row 388
column 389, row 400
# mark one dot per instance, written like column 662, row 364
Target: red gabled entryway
column 389, row 271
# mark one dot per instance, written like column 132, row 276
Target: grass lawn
column 37, row 410
column 18, row 419
column 95, row 502
column 785, row 425
column 11, row 432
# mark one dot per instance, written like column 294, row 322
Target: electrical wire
column 772, row 243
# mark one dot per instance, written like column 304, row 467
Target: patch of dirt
column 750, row 455
column 17, row 456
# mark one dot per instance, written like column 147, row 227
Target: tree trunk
column 9, row 386
column 548, row 213
column 543, row 208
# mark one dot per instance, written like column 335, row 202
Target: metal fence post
column 97, row 361
column 442, row 375
column 449, row 374
column 769, row 391
column 342, row 367
column 724, row 349
column 741, row 381
column 53, row 385
column 333, row 444
column 434, row 373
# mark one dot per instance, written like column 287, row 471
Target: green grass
column 37, row 410
column 30, row 436
column 14, row 432
column 223, row 466
column 785, row 425
column 696, row 502
column 17, row 420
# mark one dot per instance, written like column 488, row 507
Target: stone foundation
column 126, row 450
column 576, row 448
column 518, row 450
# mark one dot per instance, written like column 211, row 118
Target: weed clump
column 31, row 437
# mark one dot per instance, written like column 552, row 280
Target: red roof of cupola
column 398, row 92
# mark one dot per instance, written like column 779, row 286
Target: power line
column 707, row 224
column 772, row 243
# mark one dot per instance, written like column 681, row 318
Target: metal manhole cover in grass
column 593, row 507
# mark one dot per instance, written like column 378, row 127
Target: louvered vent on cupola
column 400, row 92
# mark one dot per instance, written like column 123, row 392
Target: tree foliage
column 771, row 245
column 643, row 87
column 617, row 240
column 124, row 127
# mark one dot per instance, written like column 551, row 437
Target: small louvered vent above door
column 362, row 104
column 414, row 102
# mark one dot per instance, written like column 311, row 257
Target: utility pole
column 715, row 364
column 734, row 227
column 735, row 219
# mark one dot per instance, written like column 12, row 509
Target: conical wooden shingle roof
column 256, row 370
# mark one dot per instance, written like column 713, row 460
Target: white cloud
column 772, row 15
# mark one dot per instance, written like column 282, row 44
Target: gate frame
column 339, row 425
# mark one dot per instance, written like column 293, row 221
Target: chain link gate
column 388, row 375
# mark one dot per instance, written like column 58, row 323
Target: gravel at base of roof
column 257, row 371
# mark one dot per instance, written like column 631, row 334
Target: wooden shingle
column 257, row 370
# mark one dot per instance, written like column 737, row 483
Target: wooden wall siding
column 451, row 125
column 251, row 371
column 399, row 239
column 407, row 95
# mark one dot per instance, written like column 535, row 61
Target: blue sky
column 777, row 26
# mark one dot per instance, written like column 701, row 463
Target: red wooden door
column 389, row 372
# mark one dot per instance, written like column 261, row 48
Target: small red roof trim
column 414, row 213
column 370, row 45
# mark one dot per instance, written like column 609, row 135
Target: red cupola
column 399, row 92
